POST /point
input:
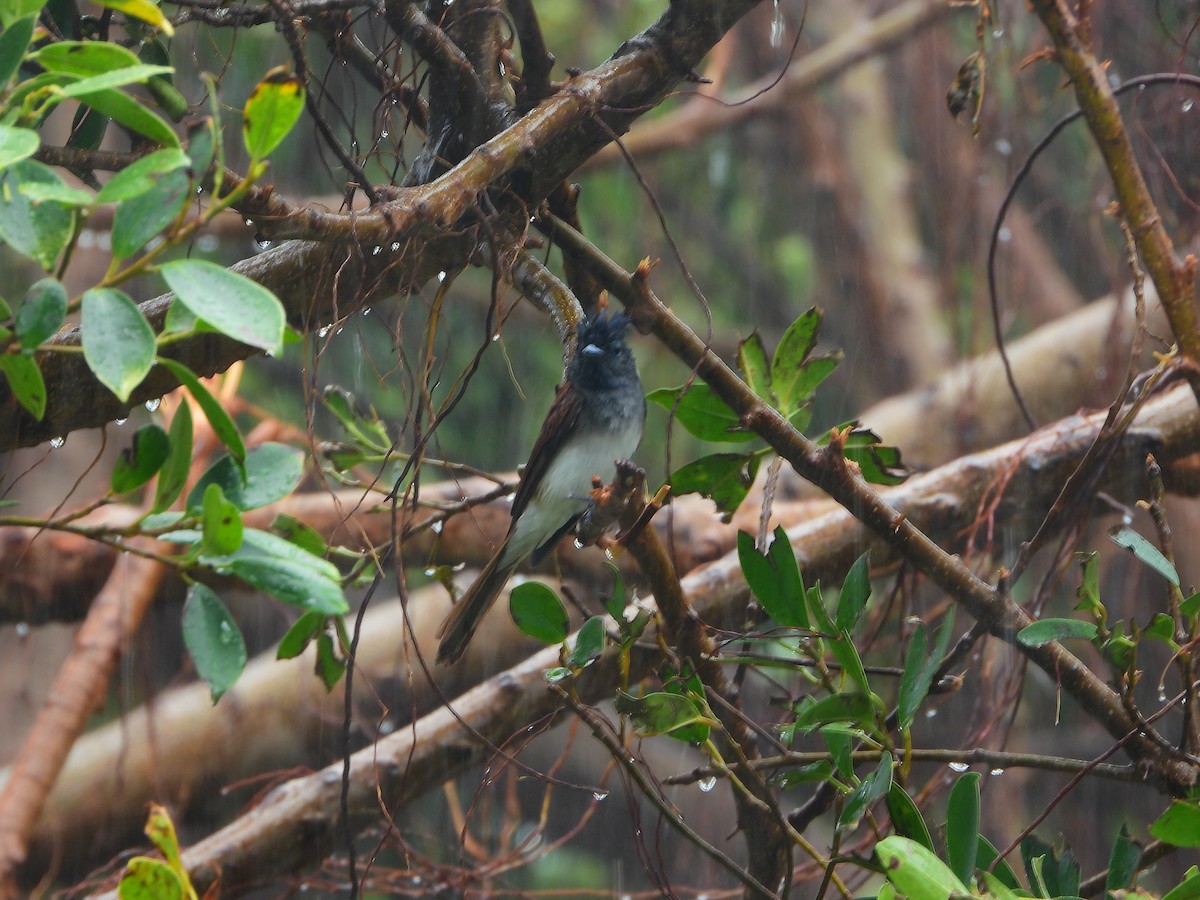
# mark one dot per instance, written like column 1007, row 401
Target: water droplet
column 438, row 526
column 57, row 442
column 959, row 766
column 375, row 251
column 1162, row 696
column 87, row 239
column 707, row 784
column 340, row 329
column 578, row 544
column 997, row 33
column 262, row 245
column 395, row 246
column 324, row 331
column 1004, row 235
column 1003, row 147
column 387, row 726
column 430, row 571
column 366, row 311
column 207, row 243
column 22, row 629
column 599, row 795
column 1187, row 105
column 442, row 276
column 384, row 133
column 495, row 337
column 152, row 405
column 249, row 223
column 931, row 713
column 777, row 27
column 122, row 420
column 996, row 771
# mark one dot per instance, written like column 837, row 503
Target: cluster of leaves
column 41, row 217
column 787, row 381
column 146, row 878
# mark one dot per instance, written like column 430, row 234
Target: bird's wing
column 559, row 426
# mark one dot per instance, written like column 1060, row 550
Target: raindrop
column 707, row 784
column 387, row 726
column 1162, row 696
column 375, row 251
column 1187, row 105
column 441, row 276
column 22, row 629
column 57, row 442
column 366, row 311
column 324, row 330
column 207, row 243
column 262, row 245
column 959, row 766
column 998, row 33
column 495, row 337
column 249, row 223
column 931, row 713
column 777, row 27
column 384, row 133
column 438, row 526
column 152, row 405
column 996, row 771
column 122, row 420
column 1003, row 147
column 599, row 795
column 395, row 246
column 1004, row 235
column 430, row 571
column 340, row 329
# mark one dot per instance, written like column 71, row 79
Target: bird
column 597, row 417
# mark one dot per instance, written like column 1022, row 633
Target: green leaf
column 222, row 522
column 26, row 382
column 42, row 312
column 837, row 741
column 1179, row 825
column 1123, row 862
column 271, row 111
column 1089, row 586
column 1054, row 867
column 201, row 149
column 222, row 423
column 143, row 175
column 725, row 478
column 1188, row 889
column 752, row 361
column 213, row 640
column 263, row 543
column 144, row 216
column 853, row 707
column 919, row 669
column 149, row 879
column 589, row 644
column 702, row 413
column 879, row 464
column 1190, row 606
column 125, row 110
column 330, row 667
column 84, row 58
column 118, row 342
column 1126, row 537
column 13, row 44
column 810, row 774
column 231, row 303
column 538, row 612
column 872, row 789
column 38, row 230
column 62, row 194
column 774, row 578
column 661, row 712
column 615, row 602
column 1046, row 630
column 997, row 888
column 787, row 365
column 916, row 871
column 856, row 589
column 272, row 472
column 290, row 582
column 303, row 536
column 962, row 826
column 300, row 635
column 907, row 818
column 364, row 426
column 141, row 461
column 173, row 475
column 986, row 859
column 116, row 78
column 16, row 144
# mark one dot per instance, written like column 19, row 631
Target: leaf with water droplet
column 213, row 640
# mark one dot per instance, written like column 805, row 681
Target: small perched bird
column 596, row 418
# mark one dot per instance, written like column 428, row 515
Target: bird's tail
column 468, row 612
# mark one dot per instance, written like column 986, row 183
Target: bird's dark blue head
column 602, row 359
